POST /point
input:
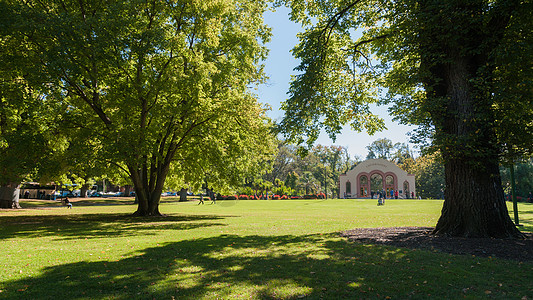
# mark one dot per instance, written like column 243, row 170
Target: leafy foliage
column 31, row 145
column 523, row 178
column 351, row 49
column 318, row 171
column 158, row 87
column 429, row 175
column 446, row 66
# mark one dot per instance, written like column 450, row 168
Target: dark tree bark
column 83, row 191
column 127, row 190
column 147, row 193
column 149, row 183
column 459, row 86
column 9, row 196
column 183, row 195
column 474, row 204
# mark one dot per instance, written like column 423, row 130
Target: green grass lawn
column 238, row 249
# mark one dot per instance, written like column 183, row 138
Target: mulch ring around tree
column 421, row 238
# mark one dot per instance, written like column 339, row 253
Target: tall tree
column 31, row 145
column 381, row 148
column 429, row 174
column 398, row 153
column 334, row 161
column 285, row 156
column 158, row 85
column 445, row 68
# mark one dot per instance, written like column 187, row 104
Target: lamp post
column 325, row 182
column 513, row 195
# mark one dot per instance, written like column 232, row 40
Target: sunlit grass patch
column 247, row 250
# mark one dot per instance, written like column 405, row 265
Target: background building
column 375, row 175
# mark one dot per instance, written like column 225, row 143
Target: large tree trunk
column 83, row 191
column 457, row 68
column 474, row 203
column 183, row 195
column 148, row 187
column 127, row 190
column 144, row 195
column 9, row 196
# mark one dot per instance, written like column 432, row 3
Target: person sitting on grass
column 68, row 203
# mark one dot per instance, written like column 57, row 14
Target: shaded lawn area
column 241, row 249
column 93, row 201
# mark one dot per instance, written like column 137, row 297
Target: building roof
column 382, row 165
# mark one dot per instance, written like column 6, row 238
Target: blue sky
column 279, row 67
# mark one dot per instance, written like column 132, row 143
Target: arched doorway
column 376, row 183
column 389, row 184
column 406, row 190
column 348, row 189
column 363, row 186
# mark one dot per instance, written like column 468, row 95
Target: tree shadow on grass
column 267, row 267
column 98, row 225
column 95, row 201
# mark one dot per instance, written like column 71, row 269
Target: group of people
column 392, row 194
column 212, row 197
column 382, row 195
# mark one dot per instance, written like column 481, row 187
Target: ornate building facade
column 376, row 175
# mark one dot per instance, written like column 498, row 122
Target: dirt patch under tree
column 421, row 238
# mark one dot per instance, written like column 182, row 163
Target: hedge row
column 273, row 197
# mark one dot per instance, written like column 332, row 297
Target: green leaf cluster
column 354, row 53
column 154, row 87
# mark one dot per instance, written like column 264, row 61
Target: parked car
column 94, row 194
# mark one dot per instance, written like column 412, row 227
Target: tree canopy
column 461, row 70
column 156, row 87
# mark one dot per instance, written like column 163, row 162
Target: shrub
column 243, row 197
column 310, row 197
column 284, row 197
column 275, row 197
